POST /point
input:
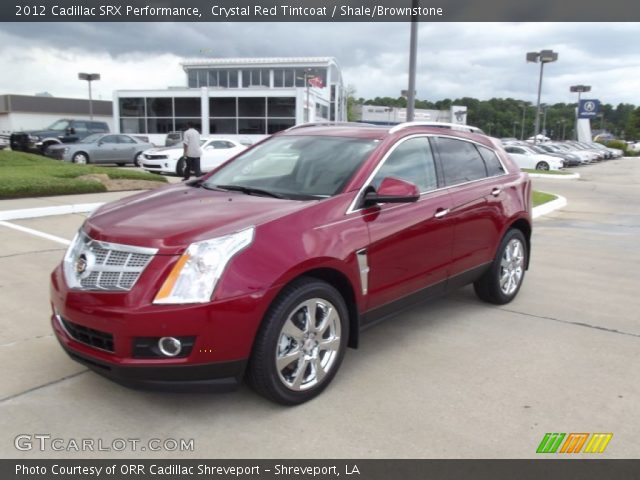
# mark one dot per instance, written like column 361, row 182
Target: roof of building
column 293, row 61
column 60, row 105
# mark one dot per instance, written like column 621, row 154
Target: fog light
column 169, row 346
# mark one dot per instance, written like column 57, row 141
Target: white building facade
column 237, row 96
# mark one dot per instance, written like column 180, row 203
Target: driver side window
column 412, row 160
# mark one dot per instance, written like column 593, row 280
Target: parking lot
column 456, row 378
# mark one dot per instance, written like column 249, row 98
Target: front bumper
column 114, row 324
column 214, row 377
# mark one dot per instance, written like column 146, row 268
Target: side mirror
column 392, row 190
column 71, row 131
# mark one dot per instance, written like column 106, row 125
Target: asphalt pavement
column 455, row 378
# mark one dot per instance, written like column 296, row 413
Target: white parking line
column 37, row 233
column 47, row 211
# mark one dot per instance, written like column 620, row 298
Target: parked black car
column 62, row 131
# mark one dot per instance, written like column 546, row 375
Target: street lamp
column 515, row 124
column 524, row 111
column 306, row 78
column 543, row 56
column 89, row 77
column 580, row 89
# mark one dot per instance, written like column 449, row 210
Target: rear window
column 461, row 161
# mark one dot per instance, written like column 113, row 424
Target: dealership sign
column 588, row 108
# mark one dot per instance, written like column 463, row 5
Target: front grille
column 19, row 141
column 146, row 165
column 94, row 265
column 88, row 336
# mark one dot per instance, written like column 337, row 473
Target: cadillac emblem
column 83, row 264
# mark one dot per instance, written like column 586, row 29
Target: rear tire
column 501, row 283
column 542, row 166
column 300, row 344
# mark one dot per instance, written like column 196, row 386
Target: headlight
column 34, row 138
column 196, row 273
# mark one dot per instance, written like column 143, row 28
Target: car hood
column 171, row 218
column 166, row 150
column 43, row 133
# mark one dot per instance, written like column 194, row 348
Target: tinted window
column 491, row 161
column 223, row 126
column 220, row 144
column 159, row 107
column 222, row 107
column 98, row 127
column 80, row 126
column 282, row 106
column 132, row 107
column 412, row 160
column 461, row 161
column 110, row 139
column 251, row 107
column 187, row 107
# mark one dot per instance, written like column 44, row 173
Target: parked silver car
column 102, row 148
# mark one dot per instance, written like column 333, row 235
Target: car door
column 125, row 149
column 105, row 149
column 473, row 174
column 410, row 243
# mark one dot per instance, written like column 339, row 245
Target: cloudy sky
column 478, row 60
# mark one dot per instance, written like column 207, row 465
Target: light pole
column 89, row 77
column 544, row 120
column 579, row 89
column 413, row 54
column 543, row 56
column 524, row 111
column 515, row 124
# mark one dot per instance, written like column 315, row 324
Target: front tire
column 137, row 159
column 180, row 166
column 501, row 283
column 80, row 158
column 300, row 344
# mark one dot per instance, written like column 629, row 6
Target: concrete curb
column 571, row 176
column 24, row 213
column 47, row 211
column 549, row 207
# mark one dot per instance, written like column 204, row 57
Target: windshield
column 296, row 166
column 59, row 125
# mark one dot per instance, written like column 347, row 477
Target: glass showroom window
column 187, row 107
column 132, row 107
column 160, row 125
column 132, row 125
column 160, row 107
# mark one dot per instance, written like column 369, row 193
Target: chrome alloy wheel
column 511, row 266
column 308, row 344
column 80, row 159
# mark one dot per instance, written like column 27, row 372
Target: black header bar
column 318, row 11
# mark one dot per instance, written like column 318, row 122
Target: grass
column 541, row 197
column 546, row 172
column 28, row 175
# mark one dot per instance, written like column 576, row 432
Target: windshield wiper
column 250, row 190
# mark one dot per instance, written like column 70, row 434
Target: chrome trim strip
column 363, row 266
column 352, row 206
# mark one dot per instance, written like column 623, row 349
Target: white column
column 204, row 110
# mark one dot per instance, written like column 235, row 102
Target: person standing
column 191, row 152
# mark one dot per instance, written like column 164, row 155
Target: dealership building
column 237, row 96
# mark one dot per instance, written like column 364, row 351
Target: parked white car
column 527, row 158
column 215, row 151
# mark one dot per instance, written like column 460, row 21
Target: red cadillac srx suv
column 270, row 266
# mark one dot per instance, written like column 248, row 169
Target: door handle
column 441, row 212
column 496, row 191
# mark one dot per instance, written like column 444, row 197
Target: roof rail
column 451, row 126
column 331, row 124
